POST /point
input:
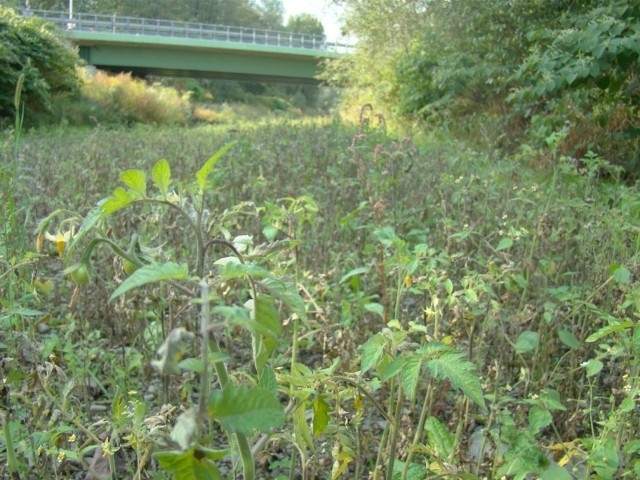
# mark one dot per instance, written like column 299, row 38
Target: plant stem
column 385, row 433
column 204, row 352
column 395, row 431
column 248, row 465
column 12, row 462
column 417, row 437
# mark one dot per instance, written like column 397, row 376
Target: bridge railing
column 90, row 22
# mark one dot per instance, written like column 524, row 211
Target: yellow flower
column 173, row 197
column 72, row 438
column 60, row 239
column 60, row 457
column 106, row 446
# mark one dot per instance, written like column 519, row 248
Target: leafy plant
column 238, row 409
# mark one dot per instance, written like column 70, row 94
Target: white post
column 70, row 9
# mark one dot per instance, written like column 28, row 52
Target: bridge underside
column 173, row 57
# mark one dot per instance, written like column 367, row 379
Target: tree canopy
column 305, row 23
column 538, row 66
column 268, row 14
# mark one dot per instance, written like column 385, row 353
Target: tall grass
column 123, row 99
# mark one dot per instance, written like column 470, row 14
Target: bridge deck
column 167, row 47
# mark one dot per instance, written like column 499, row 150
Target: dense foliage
column 529, row 274
column 322, row 299
column 537, row 66
column 35, row 49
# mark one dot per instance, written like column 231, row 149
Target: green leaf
column 190, row 465
column 539, row 418
column 448, row 286
column 354, row 272
column 242, row 242
column 374, row 307
column 505, row 243
column 594, row 366
column 270, row 232
column 371, row 352
column 266, row 329
column 556, row 473
column 632, row 447
column 386, row 236
column 608, row 330
column 154, row 272
column 439, row 437
column 184, row 429
column 230, row 267
column 460, row 372
column 287, row 294
column 527, row 341
column 191, row 365
column 390, row 370
column 267, row 317
column 605, row 458
column 203, row 174
column 268, row 380
column 242, row 409
column 320, row 415
column 136, row 180
column 620, row 274
column 568, row 338
column 120, row 199
column 415, row 471
column 25, row 312
column 195, row 364
column 550, row 398
column 301, row 427
column 410, row 374
column 283, row 291
column 161, row 176
column 627, row 405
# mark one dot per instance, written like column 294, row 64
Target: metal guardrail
column 89, row 22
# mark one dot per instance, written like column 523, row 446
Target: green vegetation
column 516, row 70
column 324, row 298
column 121, row 99
column 267, row 14
column 33, row 49
column 448, row 309
column 57, row 91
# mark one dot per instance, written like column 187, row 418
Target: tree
column 271, row 14
column 305, row 23
column 35, row 49
column 386, row 30
column 531, row 68
column 466, row 57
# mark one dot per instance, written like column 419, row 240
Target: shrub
column 124, row 98
column 33, row 48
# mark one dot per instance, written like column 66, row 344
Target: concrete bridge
column 171, row 48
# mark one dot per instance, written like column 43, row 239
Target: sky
column 324, row 10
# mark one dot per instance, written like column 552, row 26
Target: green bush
column 34, row 48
